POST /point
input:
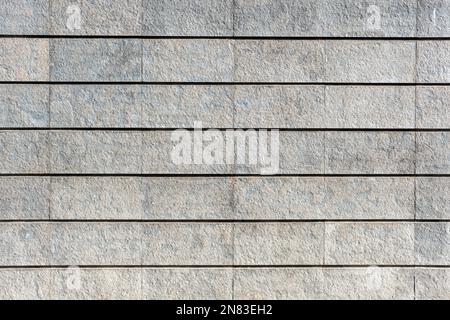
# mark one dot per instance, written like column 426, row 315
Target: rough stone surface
column 187, row 198
column 279, row 243
column 299, row 153
column 369, row 152
column 325, row 18
column 369, row 243
column 95, row 60
column 187, row 283
column 158, row 150
column 324, row 198
column 25, row 198
column 90, row 243
column 326, row 283
column 433, row 107
column 89, row 106
column 94, row 284
column 23, row 152
column 96, row 198
column 187, row 244
column 279, row 283
column 25, row 244
column 24, row 17
column 432, row 284
column 97, row 17
column 188, row 18
column 25, row 284
column 368, row 283
column 188, row 60
column 279, row 61
column 24, row 59
column 262, row 106
column 95, row 151
column 180, row 106
column 24, row 105
column 432, row 242
column 370, row 61
column 433, row 153
column 433, row 61
column 369, row 107
column 432, row 18
column 433, row 198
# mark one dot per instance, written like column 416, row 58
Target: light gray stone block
column 95, row 243
column 370, row 61
column 96, row 284
column 25, row 198
column 161, row 150
column 389, row 18
column 279, row 283
column 433, row 61
column 97, row 17
column 369, row 152
column 96, row 198
column 89, row 106
column 95, row 151
column 369, row 107
column 300, row 152
column 261, row 106
column 95, row 59
column 371, row 283
column 433, row 152
column 187, row 244
column 369, row 243
column 433, row 107
column 188, row 60
column 187, row 283
column 24, row 59
column 433, row 198
column 188, row 18
column 432, row 242
column 324, row 198
column 187, row 198
column 25, row 284
column 279, row 243
column 180, row 106
column 27, row 17
column 432, row 283
column 24, row 105
column 23, row 152
column 380, row 18
column 279, row 61
column 25, row 244
column 432, row 18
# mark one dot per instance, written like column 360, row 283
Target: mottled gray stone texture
column 369, row 243
column 24, row 106
column 95, row 59
column 433, row 152
column 188, row 18
column 24, row 59
column 433, row 61
column 433, row 198
column 433, row 107
column 433, row 18
column 325, row 18
column 97, row 17
column 369, row 152
column 432, row 243
column 28, row 17
column 324, row 283
column 99, row 102
column 188, row 60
